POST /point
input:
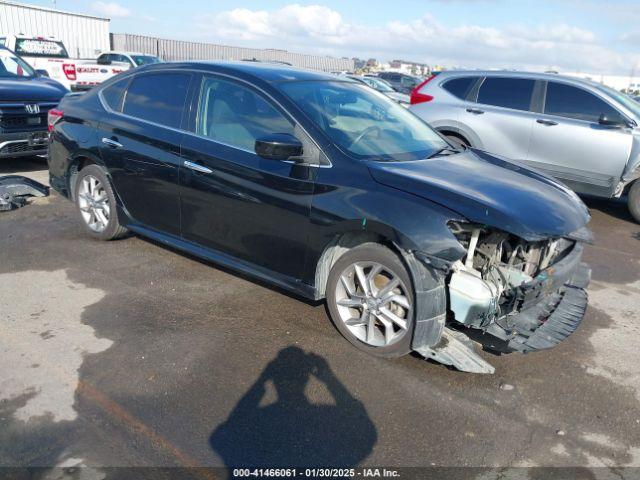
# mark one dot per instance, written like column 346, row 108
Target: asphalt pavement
column 128, row 354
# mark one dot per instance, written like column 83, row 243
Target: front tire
column 370, row 300
column 96, row 204
column 634, row 200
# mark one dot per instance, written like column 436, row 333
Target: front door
column 234, row 201
column 140, row 145
column 569, row 143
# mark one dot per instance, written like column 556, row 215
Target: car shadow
column 293, row 431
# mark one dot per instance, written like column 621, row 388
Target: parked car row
column 323, row 187
column 580, row 132
column 401, row 82
column 27, row 94
column 383, row 87
column 50, row 57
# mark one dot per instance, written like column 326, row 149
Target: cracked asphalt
column 130, row 354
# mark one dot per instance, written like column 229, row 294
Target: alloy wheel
column 373, row 303
column 93, row 202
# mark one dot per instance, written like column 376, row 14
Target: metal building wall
column 176, row 50
column 84, row 36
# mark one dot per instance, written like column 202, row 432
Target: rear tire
column 96, row 204
column 634, row 200
column 377, row 318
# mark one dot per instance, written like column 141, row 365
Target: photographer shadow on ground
column 293, row 432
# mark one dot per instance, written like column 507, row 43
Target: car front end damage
column 508, row 294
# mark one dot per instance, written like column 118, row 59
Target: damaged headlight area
column 528, row 294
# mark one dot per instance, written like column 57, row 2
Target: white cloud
column 320, row 29
column 111, row 9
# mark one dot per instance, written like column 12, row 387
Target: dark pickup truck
column 25, row 100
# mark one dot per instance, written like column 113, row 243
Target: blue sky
column 577, row 35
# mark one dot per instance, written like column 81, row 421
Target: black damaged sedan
column 330, row 190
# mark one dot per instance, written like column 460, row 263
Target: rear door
column 499, row 113
column 569, row 143
column 140, row 144
column 233, row 200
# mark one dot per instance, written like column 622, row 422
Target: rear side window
column 237, row 116
column 158, row 98
column 112, row 95
column 506, row 92
column 571, row 102
column 459, row 87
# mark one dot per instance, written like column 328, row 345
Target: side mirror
column 42, row 73
column 278, row 146
column 611, row 122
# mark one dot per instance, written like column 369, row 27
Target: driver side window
column 237, row 116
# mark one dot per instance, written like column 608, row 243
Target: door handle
column 196, row 167
column 475, row 111
column 549, row 123
column 111, row 143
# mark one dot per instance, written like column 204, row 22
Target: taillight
column 69, row 70
column 417, row 97
column 53, row 117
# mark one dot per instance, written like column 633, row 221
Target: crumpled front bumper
column 551, row 307
column 549, row 322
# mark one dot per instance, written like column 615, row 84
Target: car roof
column 518, row 74
column 268, row 72
column 121, row 52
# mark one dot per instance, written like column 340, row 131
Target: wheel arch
column 428, row 282
column 459, row 136
column 461, row 131
column 78, row 161
column 342, row 243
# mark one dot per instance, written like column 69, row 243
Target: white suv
column 583, row 133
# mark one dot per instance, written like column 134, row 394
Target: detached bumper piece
column 554, row 320
column 457, row 350
column 15, row 189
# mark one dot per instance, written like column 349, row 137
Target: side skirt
column 268, row 276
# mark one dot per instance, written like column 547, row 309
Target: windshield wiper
column 444, row 151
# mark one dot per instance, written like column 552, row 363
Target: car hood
column 36, row 89
column 490, row 190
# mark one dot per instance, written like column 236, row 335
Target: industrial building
column 176, row 50
column 85, row 36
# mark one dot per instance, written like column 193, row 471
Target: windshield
column 39, row 47
column 363, row 122
column 144, row 59
column 378, row 84
column 622, row 98
column 12, row 66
